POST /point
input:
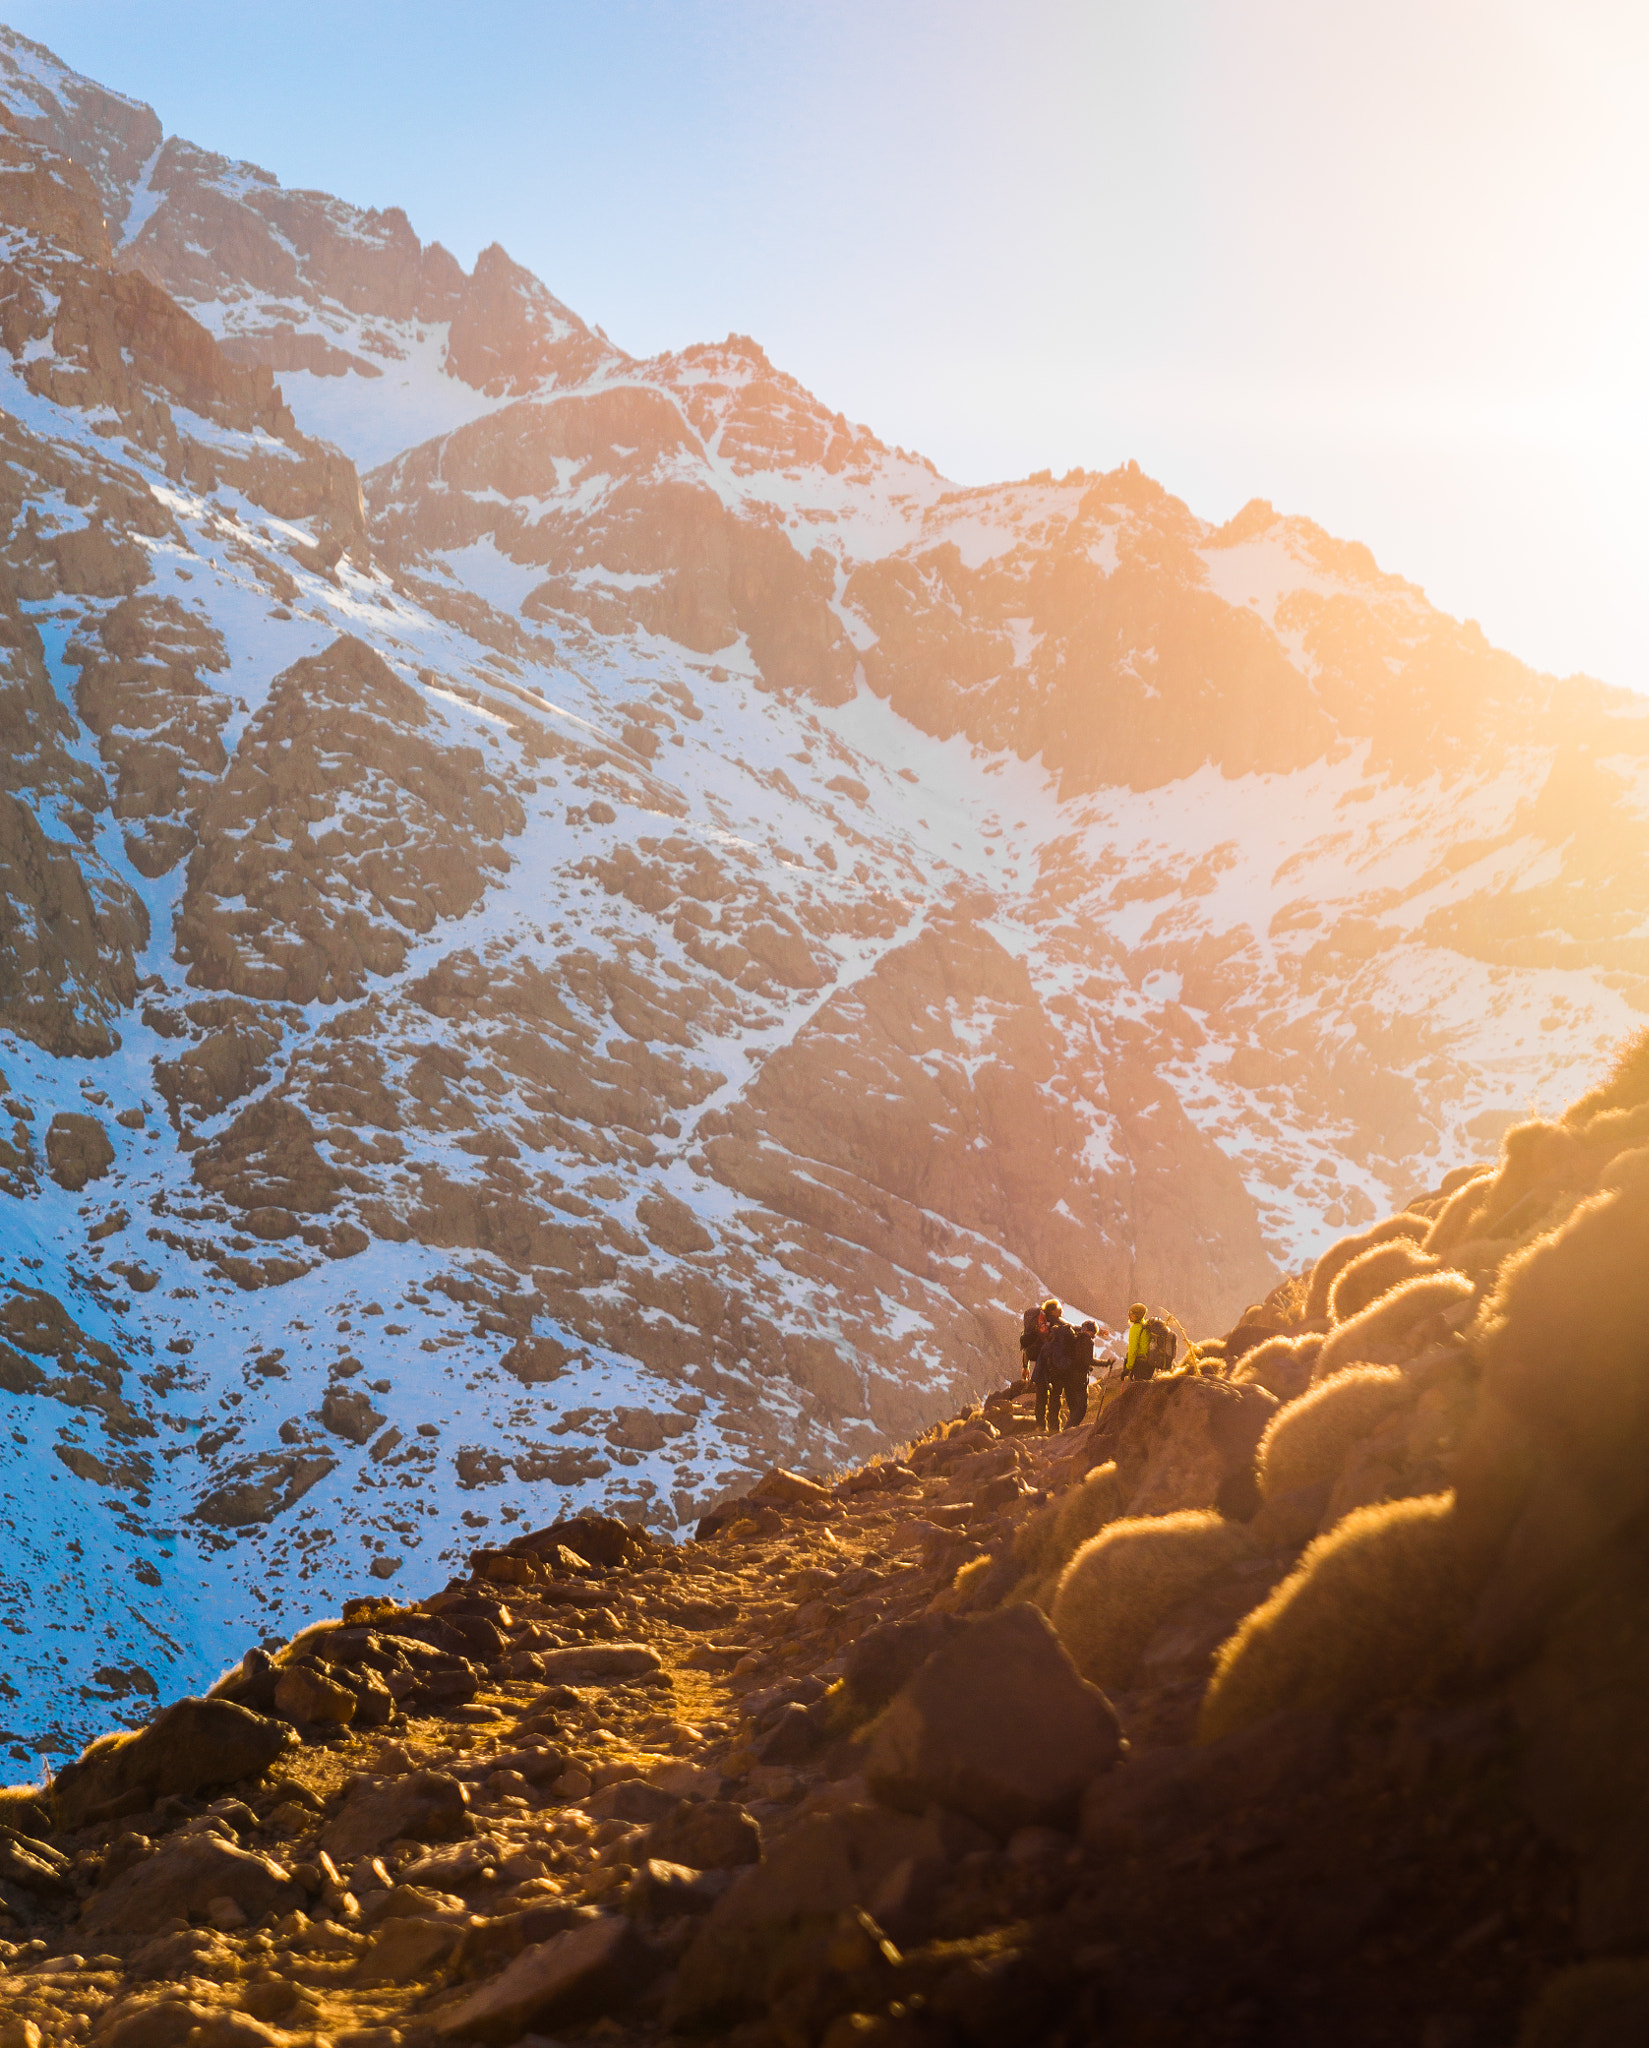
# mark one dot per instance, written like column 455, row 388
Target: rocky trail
column 1293, row 1697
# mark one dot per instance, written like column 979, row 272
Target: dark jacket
column 1061, row 1352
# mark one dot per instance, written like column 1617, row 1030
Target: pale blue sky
column 1382, row 264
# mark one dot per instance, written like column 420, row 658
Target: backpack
column 1070, row 1352
column 1160, row 1346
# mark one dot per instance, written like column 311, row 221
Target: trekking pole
column 1193, row 1357
column 1104, row 1390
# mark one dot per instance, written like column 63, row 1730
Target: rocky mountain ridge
column 577, row 927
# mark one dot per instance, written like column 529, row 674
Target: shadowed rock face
column 628, row 949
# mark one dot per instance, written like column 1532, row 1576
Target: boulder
column 183, row 2023
column 185, row 1749
column 631, row 1799
column 424, row 1806
column 885, row 1659
column 182, row 1880
column 454, row 1865
column 714, row 1834
column 580, row 1975
column 250, row 1683
column 402, row 1951
column 374, row 1702
column 789, row 1489
column 1184, row 1442
column 36, row 1866
column 997, row 1725
column 664, row 1891
column 794, row 1735
column 77, row 1150
column 774, row 1921
column 489, row 1944
column 156, row 2023
column 600, row 1660
column 304, row 1694
column 600, row 1540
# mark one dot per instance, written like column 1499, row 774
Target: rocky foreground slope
column 573, row 928
column 1297, row 1697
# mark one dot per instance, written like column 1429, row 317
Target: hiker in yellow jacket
column 1139, row 1341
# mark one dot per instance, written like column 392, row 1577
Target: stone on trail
column 182, row 1880
column 600, row 1660
column 794, row 1736
column 36, row 1866
column 579, row 1975
column 156, row 2023
column 998, row 1725
column 425, row 1806
column 454, row 1865
column 664, row 1891
column 402, row 1951
column 686, row 1780
column 489, row 1944
column 185, row 1749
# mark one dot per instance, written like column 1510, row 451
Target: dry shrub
column 1382, row 1334
column 1613, row 1131
column 1534, row 1156
column 1282, row 1365
column 1338, row 1256
column 26, row 1809
column 1047, row 1541
column 959, row 1595
column 1432, row 1205
column 1374, row 1610
column 1564, row 1340
column 1375, row 1272
column 305, row 1642
column 1305, row 1444
column 1286, row 1301
column 1458, row 1218
column 1624, row 1087
column 1122, row 1584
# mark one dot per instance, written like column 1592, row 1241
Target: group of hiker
column 1057, row 1358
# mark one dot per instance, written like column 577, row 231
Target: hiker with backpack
column 1030, row 1341
column 1052, row 1370
column 1151, row 1345
column 1084, row 1343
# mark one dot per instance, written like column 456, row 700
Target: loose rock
column 997, row 1725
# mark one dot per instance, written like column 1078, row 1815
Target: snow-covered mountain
column 575, row 926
